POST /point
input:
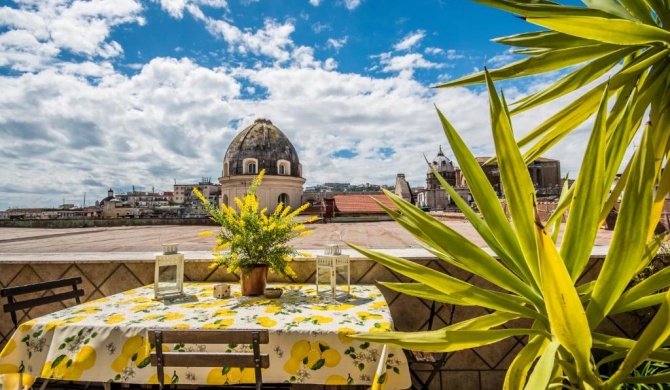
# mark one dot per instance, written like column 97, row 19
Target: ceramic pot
column 253, row 281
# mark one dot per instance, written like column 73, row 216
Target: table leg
column 333, row 280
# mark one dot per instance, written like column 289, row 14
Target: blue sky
column 119, row 93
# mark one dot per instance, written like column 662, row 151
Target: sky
column 127, row 94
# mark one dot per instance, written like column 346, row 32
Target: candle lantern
column 330, row 261
column 169, row 273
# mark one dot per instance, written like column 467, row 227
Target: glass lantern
column 169, row 273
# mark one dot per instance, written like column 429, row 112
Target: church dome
column 261, row 146
column 441, row 163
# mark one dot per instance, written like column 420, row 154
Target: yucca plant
column 538, row 276
column 617, row 47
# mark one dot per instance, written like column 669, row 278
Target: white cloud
column 433, row 50
column 273, row 40
column 410, row 40
column 502, row 59
column 352, row 4
column 336, row 44
column 406, row 64
column 315, row 2
column 176, row 7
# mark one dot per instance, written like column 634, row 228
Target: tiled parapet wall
column 110, row 273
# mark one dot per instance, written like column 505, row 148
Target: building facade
column 262, row 146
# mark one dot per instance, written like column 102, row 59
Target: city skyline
column 110, row 93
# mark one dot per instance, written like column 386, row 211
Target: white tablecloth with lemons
column 106, row 339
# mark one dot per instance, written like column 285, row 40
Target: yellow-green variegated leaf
column 574, row 80
column 542, row 373
column 523, row 361
column 627, row 246
column 639, row 10
column 449, row 285
column 582, row 225
column 486, row 200
column 519, row 190
column 611, row 7
column 422, row 291
column 564, row 308
column 444, row 340
column 540, row 63
column 556, row 226
column 653, row 336
column 620, row 344
column 606, row 30
column 476, row 259
column 544, row 39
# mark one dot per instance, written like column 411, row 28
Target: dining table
column 106, row 340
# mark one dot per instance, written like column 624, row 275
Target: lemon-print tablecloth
column 106, row 339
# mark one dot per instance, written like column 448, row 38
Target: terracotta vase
column 253, row 281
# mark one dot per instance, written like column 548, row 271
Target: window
column 251, row 168
column 282, row 170
column 284, row 199
column 283, row 167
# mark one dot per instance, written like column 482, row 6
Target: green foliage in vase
column 250, row 237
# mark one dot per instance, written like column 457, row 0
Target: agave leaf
column 582, row 225
column 620, row 344
column 544, row 39
column 661, row 10
column 640, row 10
column 615, row 193
column 580, row 109
column 484, row 322
column 449, row 285
column 523, row 361
column 618, row 138
column 565, row 311
column 562, row 206
column 536, row 9
column 556, row 228
column 628, row 241
column 457, row 246
column 611, row 7
column 487, row 201
column 574, row 80
column 652, row 379
column 640, row 303
column 542, row 372
column 606, row 30
column 653, row 336
column 540, row 63
column 519, row 190
column 422, row 291
column 483, row 228
column 443, row 340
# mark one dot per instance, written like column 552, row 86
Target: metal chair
column 13, row 305
column 254, row 360
column 16, row 303
column 434, row 360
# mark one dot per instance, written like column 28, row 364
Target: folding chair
column 255, row 360
column 13, row 305
column 417, row 359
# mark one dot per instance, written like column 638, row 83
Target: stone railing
column 109, row 273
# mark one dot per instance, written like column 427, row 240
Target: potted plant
column 252, row 242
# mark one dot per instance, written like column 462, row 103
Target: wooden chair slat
column 210, row 337
column 210, row 359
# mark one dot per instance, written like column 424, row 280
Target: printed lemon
column 85, row 357
column 132, row 345
column 9, row 347
column 313, row 356
column 336, row 380
column 234, row 376
column 8, row 368
column 115, row 318
column 332, row 357
column 153, row 380
column 266, row 322
column 216, row 377
column 292, row 366
column 120, row 363
column 61, row 369
column 11, row 381
column 248, row 375
column 300, row 349
column 181, row 326
column 26, row 326
column 343, row 333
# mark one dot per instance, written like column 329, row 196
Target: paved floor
column 377, row 235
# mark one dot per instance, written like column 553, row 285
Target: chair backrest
column 13, row 304
column 254, row 360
